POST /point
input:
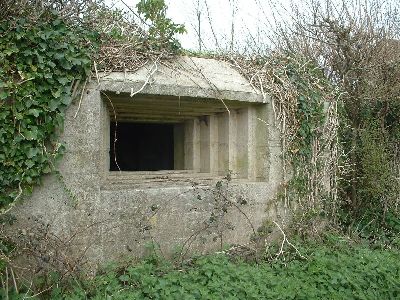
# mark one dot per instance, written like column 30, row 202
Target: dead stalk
column 80, row 98
column 285, row 240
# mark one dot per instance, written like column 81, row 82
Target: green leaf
column 19, row 116
column 56, row 93
column 43, row 45
column 34, row 112
column 32, row 152
column 59, row 55
column 32, row 134
column 10, row 51
column 3, row 95
column 46, row 169
column 29, row 163
column 53, row 104
column 56, row 22
column 66, row 99
column 63, row 80
column 124, row 278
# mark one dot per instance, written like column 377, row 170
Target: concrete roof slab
column 185, row 76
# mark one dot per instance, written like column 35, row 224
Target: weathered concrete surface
column 186, row 76
column 102, row 216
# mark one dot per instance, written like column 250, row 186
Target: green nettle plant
column 40, row 64
column 346, row 273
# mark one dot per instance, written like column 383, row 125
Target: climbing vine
column 306, row 108
column 42, row 64
column 305, row 104
column 308, row 123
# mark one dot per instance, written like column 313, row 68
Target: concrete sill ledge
column 116, row 180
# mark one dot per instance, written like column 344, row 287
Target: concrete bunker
column 198, row 120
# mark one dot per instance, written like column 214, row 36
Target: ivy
column 40, row 62
column 309, row 112
column 303, row 96
column 43, row 58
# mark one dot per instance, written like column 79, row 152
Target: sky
column 244, row 16
column 252, row 20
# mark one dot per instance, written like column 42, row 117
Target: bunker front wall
column 103, row 217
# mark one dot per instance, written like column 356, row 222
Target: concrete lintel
column 120, row 86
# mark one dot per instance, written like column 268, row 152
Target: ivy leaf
column 32, row 134
column 75, row 61
column 3, row 95
column 43, row 46
column 10, row 51
column 66, row 99
column 27, row 52
column 85, row 61
column 53, row 104
column 66, row 65
column 29, row 163
column 34, row 112
column 58, row 56
column 40, row 59
column 3, row 115
column 32, row 152
column 46, row 169
column 19, row 116
column 63, row 80
column 56, row 94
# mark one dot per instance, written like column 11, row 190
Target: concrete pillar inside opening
column 227, row 132
column 213, row 123
column 192, row 145
column 261, row 140
column 179, row 147
column 246, row 164
column 205, row 131
column 209, row 144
